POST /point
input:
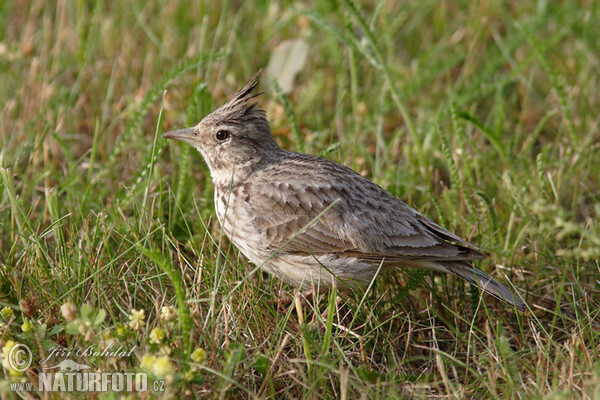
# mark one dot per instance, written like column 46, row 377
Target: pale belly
column 307, row 272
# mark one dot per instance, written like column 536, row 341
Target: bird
column 312, row 222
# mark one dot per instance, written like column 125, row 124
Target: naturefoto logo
column 70, row 376
column 85, row 381
column 69, row 366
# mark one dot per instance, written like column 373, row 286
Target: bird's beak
column 184, row 135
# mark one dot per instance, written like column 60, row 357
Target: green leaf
column 72, row 328
column 261, row 364
column 41, row 329
column 490, row 135
column 235, row 354
column 86, row 311
column 99, row 317
column 56, row 329
column 48, row 344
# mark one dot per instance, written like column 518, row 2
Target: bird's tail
column 468, row 272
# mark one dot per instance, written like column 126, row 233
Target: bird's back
column 307, row 204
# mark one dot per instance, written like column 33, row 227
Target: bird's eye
column 222, row 135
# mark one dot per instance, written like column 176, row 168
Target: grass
column 481, row 115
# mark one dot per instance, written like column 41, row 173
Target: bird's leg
column 283, row 298
column 341, row 295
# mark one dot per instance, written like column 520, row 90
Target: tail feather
column 485, row 282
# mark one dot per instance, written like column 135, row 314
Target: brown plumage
column 311, row 221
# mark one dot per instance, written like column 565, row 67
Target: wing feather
column 333, row 209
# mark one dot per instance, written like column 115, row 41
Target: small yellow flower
column 121, row 331
column 163, row 369
column 27, row 326
column 7, row 313
column 69, row 311
column 7, row 346
column 6, row 362
column 157, row 336
column 188, row 376
column 168, row 313
column 136, row 319
column 198, row 356
column 148, row 361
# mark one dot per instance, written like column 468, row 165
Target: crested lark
column 311, row 221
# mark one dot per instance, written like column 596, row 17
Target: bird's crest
column 239, row 107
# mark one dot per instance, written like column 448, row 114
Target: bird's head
column 235, row 136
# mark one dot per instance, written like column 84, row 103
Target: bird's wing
column 314, row 206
